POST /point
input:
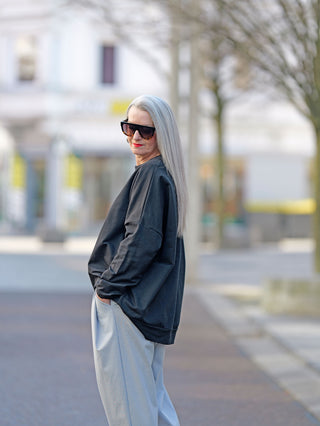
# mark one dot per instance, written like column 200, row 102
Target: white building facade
column 65, row 84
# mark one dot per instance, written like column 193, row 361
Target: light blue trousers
column 129, row 370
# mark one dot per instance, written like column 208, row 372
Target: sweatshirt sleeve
column 143, row 235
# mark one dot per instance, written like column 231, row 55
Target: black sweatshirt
column 138, row 260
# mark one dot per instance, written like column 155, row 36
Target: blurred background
column 243, row 78
column 68, row 71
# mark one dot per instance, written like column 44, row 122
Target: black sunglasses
column 129, row 129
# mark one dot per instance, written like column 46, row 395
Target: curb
column 34, row 245
column 269, row 351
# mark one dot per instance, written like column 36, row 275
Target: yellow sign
column 74, row 172
column 306, row 206
column 18, row 177
column 119, row 107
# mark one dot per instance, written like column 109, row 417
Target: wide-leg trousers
column 129, row 370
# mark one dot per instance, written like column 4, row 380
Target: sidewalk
column 215, row 383
column 287, row 348
column 34, row 245
column 47, row 375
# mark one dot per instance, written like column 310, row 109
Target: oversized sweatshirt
column 138, row 260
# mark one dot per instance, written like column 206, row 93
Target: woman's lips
column 136, row 145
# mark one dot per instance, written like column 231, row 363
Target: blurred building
column 65, row 83
column 269, row 173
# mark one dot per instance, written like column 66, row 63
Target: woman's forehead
column 138, row 116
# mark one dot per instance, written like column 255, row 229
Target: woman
column 137, row 269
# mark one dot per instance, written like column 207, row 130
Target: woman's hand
column 107, row 301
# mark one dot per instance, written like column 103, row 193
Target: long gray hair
column 169, row 145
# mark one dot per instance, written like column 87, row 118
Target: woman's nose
column 136, row 135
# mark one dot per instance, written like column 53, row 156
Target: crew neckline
column 156, row 158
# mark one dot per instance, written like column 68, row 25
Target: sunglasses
column 129, row 129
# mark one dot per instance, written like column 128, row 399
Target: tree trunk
column 316, row 219
column 220, row 165
column 193, row 234
column 175, row 62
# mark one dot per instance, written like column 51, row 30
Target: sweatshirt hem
column 155, row 334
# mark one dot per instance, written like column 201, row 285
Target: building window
column 25, row 51
column 108, row 64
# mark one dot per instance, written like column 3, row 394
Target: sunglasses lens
column 146, row 132
column 127, row 130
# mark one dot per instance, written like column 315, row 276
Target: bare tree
column 217, row 54
column 218, row 60
column 280, row 39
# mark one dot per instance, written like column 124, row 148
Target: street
column 26, row 266
column 254, row 266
